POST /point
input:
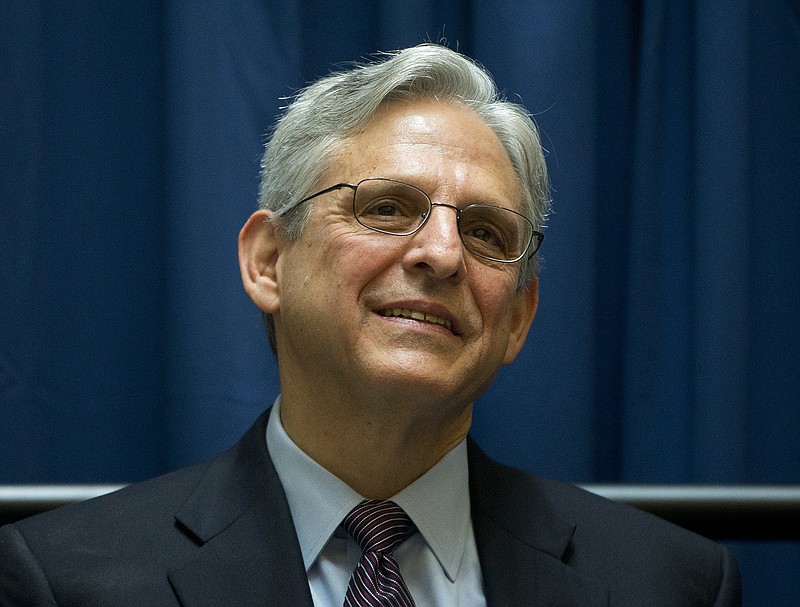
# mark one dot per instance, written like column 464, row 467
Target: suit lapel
column 248, row 554
column 522, row 542
column 238, row 516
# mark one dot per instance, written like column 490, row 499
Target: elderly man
column 393, row 256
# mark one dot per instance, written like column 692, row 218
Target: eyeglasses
column 392, row 207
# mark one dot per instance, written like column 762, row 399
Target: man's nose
column 437, row 247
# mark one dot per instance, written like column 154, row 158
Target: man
column 394, row 259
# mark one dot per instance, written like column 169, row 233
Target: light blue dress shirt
column 439, row 563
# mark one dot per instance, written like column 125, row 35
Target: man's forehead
column 418, row 137
column 422, row 117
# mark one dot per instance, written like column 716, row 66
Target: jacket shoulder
column 631, row 552
column 120, row 547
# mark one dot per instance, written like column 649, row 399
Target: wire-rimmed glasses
column 393, row 207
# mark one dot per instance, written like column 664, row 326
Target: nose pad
column 437, row 245
column 441, row 222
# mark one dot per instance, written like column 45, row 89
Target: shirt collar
column 437, row 502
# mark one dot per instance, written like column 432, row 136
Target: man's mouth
column 417, row 315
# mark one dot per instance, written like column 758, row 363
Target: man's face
column 345, row 292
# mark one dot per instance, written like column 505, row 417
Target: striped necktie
column 378, row 527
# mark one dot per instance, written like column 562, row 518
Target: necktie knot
column 377, row 526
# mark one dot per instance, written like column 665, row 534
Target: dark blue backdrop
column 665, row 349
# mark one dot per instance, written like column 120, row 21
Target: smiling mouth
column 416, row 315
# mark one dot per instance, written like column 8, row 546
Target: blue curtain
column 665, row 348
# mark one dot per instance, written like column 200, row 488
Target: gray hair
column 325, row 114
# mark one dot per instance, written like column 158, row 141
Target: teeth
column 416, row 315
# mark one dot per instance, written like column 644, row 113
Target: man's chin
column 424, row 385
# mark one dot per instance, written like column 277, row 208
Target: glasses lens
column 389, row 206
column 495, row 232
column 394, row 207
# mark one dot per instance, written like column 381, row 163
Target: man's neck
column 376, row 448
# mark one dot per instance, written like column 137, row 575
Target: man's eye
column 390, row 207
column 487, row 235
column 484, row 235
column 386, row 210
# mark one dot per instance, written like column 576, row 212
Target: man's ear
column 259, row 249
column 522, row 315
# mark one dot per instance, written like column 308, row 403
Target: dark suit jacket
column 221, row 534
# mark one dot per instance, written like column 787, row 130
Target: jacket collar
column 238, row 516
column 248, row 552
column 523, row 542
